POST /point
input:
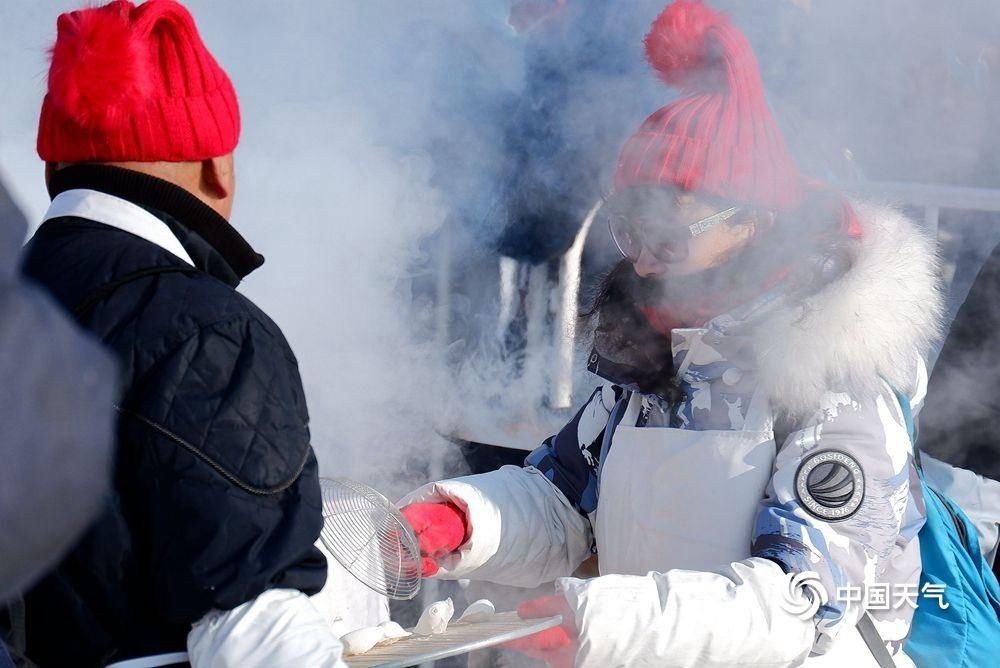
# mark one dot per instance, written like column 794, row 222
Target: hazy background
column 371, row 127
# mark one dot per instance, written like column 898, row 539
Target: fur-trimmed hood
column 876, row 322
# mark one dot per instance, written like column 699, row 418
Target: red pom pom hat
column 131, row 82
column 719, row 137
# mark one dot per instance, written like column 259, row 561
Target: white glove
column 279, row 629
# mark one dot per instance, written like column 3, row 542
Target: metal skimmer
column 370, row 538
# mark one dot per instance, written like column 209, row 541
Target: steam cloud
column 373, row 130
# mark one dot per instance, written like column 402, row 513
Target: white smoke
column 345, row 104
column 372, row 131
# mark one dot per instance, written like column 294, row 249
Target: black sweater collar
column 214, row 245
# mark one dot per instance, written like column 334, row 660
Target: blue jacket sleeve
column 570, row 458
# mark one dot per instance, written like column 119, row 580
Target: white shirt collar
column 116, row 212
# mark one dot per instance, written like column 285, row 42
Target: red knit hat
column 135, row 83
column 720, row 137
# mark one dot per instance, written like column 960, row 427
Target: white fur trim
column 875, row 323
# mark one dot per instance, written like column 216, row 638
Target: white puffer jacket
column 831, row 367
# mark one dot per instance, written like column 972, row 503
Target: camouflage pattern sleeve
column 844, row 501
column 570, row 458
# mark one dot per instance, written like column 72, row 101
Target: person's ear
column 764, row 220
column 760, row 221
column 217, row 177
column 747, row 229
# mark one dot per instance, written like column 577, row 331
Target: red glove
column 557, row 646
column 441, row 528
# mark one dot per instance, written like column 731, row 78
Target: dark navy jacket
column 216, row 485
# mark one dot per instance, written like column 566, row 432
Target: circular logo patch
column 830, row 485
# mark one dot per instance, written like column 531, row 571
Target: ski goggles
column 668, row 243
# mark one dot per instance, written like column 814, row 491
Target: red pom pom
column 679, row 48
column 100, row 66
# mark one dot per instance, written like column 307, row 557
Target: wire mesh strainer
column 370, row 538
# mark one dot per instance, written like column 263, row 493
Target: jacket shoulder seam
column 212, row 462
column 235, row 319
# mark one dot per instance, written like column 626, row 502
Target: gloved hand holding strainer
column 441, row 528
column 369, row 537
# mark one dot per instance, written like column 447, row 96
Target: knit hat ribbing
column 131, row 82
column 720, row 137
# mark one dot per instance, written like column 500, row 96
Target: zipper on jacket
column 617, row 413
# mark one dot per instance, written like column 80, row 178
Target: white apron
column 686, row 499
column 679, row 498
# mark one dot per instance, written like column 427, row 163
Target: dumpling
column 435, row 617
column 480, row 611
column 361, row 640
